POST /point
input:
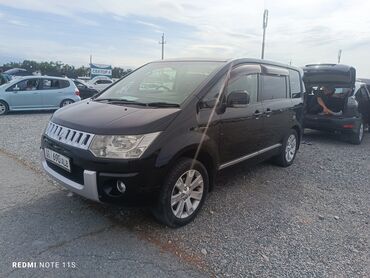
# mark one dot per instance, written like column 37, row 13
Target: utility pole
column 339, row 55
column 264, row 26
column 162, row 42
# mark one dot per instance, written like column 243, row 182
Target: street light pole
column 162, row 42
column 339, row 55
column 265, row 19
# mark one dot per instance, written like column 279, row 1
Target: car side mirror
column 16, row 88
column 238, row 99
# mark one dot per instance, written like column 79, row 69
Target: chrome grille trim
column 69, row 136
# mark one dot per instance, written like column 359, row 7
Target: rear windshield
column 170, row 82
column 339, row 92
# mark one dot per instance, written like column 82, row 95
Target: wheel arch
column 204, row 156
column 298, row 129
column 6, row 104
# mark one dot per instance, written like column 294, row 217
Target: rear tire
column 182, row 194
column 4, row 108
column 66, row 102
column 288, row 149
column 357, row 137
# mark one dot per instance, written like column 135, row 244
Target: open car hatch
column 329, row 74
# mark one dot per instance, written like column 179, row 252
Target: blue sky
column 126, row 33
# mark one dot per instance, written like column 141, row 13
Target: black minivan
column 158, row 136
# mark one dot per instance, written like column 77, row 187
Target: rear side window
column 103, row 81
column 53, row 84
column 50, row 84
column 63, row 84
column 295, row 84
column 273, row 87
column 361, row 95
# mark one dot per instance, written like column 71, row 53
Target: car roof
column 232, row 61
column 42, row 76
column 359, row 85
column 364, row 80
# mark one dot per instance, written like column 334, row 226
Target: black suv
column 349, row 112
column 159, row 135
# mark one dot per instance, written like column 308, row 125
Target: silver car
column 37, row 93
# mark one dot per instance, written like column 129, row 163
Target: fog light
column 121, row 187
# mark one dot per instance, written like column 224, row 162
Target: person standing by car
column 322, row 98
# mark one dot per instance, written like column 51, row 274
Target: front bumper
column 96, row 179
column 89, row 188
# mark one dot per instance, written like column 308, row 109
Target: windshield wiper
column 162, row 104
column 121, row 101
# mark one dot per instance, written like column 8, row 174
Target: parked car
column 161, row 146
column 348, row 119
column 17, row 72
column 362, row 96
column 99, row 83
column 366, row 81
column 37, row 93
column 86, row 90
column 4, row 78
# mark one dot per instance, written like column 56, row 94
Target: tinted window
column 63, row 84
column 295, row 84
column 244, row 83
column 273, row 87
column 209, row 100
column 159, row 79
column 103, row 81
column 50, row 84
column 189, row 75
column 361, row 95
column 25, row 85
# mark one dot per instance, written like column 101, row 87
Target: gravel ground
column 308, row 220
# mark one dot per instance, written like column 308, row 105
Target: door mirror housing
column 238, row 99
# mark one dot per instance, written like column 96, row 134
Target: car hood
column 329, row 74
column 110, row 119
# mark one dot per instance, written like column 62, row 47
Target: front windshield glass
column 168, row 82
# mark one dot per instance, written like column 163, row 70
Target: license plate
column 58, row 159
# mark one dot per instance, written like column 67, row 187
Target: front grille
column 68, row 136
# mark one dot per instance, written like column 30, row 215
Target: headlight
column 121, row 146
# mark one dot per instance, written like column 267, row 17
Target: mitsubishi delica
column 158, row 136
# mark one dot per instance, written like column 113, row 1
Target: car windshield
column 161, row 82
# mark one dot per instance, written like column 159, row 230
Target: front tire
column 4, row 108
column 357, row 137
column 182, row 194
column 288, row 149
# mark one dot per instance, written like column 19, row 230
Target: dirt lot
column 308, row 220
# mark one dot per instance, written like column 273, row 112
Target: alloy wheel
column 290, row 148
column 361, row 132
column 187, row 194
column 66, row 102
column 2, row 108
